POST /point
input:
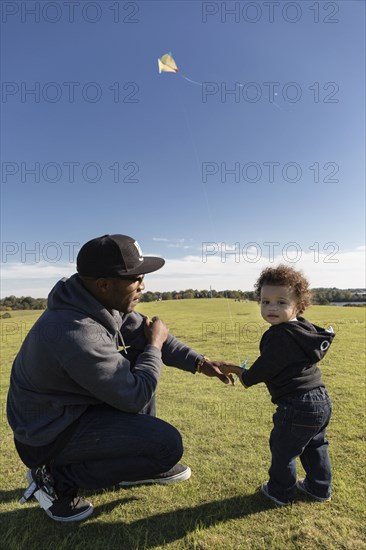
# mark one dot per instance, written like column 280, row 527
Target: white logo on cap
column 324, row 345
column 141, row 259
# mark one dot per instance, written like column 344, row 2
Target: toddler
column 289, row 352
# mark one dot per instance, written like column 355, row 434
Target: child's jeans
column 300, row 423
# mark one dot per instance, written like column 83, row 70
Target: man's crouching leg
column 116, row 448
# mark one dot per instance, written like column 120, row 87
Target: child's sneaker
column 60, row 508
column 265, row 491
column 301, row 485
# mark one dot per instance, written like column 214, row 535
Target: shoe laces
column 41, row 480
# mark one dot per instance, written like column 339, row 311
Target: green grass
column 225, row 432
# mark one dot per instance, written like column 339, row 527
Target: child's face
column 278, row 304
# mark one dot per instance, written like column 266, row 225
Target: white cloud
column 182, row 243
column 36, row 280
column 230, row 271
column 179, row 245
column 166, row 240
column 338, row 269
column 40, row 270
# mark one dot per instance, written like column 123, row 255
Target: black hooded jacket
column 289, row 356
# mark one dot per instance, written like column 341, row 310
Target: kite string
column 212, row 225
column 266, row 97
column 238, row 83
column 190, row 80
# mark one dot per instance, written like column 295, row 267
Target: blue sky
column 218, row 184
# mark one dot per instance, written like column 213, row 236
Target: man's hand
column 156, row 331
column 227, row 369
column 220, row 369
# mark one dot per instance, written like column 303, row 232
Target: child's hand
column 227, row 368
column 214, row 368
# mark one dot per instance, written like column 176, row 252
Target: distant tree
column 10, row 301
column 148, row 297
column 321, row 296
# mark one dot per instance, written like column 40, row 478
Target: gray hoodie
column 70, row 360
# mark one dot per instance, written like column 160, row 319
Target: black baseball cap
column 115, row 256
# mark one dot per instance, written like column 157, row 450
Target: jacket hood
column 70, row 294
column 313, row 340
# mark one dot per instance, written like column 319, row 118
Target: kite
column 167, row 64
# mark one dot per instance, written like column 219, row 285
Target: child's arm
column 273, row 359
column 233, row 369
column 270, row 363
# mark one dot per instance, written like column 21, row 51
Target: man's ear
column 103, row 284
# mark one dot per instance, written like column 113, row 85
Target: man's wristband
column 199, row 363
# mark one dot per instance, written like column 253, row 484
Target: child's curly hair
column 283, row 275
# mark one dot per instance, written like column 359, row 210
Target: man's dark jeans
column 108, row 446
column 299, row 430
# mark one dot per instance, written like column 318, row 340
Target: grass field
column 225, row 432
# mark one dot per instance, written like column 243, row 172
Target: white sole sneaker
column 178, row 473
column 264, row 490
column 64, row 509
column 300, row 484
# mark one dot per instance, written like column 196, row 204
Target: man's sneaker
column 301, row 485
column 40, row 487
column 65, row 508
column 264, row 490
column 179, row 472
column 68, row 508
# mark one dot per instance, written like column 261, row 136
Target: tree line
column 320, row 296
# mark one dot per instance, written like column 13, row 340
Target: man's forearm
column 177, row 354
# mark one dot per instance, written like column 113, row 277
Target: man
column 81, row 398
